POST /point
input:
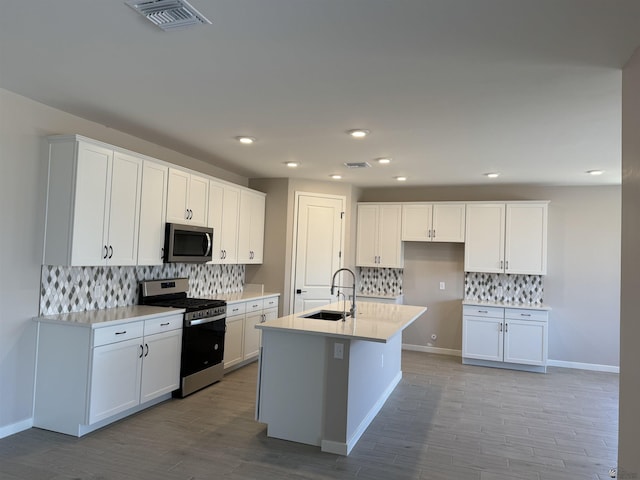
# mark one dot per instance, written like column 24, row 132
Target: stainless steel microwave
column 187, row 243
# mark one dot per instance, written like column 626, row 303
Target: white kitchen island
column 322, row 382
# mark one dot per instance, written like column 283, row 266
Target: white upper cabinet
column 506, row 238
column 224, row 211
column 153, row 206
column 251, row 227
column 379, row 232
column 93, row 204
column 188, row 198
column 433, row 222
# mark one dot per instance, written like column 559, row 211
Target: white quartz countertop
column 110, row 316
column 232, row 298
column 527, row 306
column 384, row 297
column 375, row 322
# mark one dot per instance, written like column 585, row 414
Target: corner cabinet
column 506, row 238
column 187, row 199
column 378, row 242
column 89, row 377
column 513, row 338
column 93, row 204
column 251, row 227
column 433, row 222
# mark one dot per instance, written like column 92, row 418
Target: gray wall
column 629, row 436
column 583, row 282
column 23, row 126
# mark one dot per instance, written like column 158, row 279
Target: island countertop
column 375, row 322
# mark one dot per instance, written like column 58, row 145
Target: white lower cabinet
column 242, row 339
column 505, row 337
column 89, row 377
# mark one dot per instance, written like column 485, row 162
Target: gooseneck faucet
column 352, row 311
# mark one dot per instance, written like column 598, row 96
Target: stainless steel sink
column 331, row 315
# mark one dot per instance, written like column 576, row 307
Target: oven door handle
column 200, row 321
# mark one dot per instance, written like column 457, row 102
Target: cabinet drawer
column 117, row 333
column 255, row 305
column 162, row 324
column 236, row 309
column 522, row 314
column 271, row 302
column 476, row 311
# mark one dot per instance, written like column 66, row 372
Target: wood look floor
column 444, row 421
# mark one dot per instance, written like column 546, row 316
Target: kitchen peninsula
column 322, row 382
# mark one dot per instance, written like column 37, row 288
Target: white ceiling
column 450, row 89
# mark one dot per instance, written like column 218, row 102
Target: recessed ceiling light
column 595, row 172
column 336, row 176
column 358, row 133
column 492, row 174
column 292, row 164
column 401, row 179
column 383, row 161
column 246, row 140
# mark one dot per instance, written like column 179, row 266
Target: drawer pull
column 235, row 309
column 483, row 311
column 121, row 333
column 165, row 324
column 525, row 314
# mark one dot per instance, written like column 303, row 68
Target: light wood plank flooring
column 444, row 421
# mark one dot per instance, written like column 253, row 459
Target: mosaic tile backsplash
column 380, row 281
column 516, row 289
column 78, row 289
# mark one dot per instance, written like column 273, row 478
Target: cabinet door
column 367, row 236
column 177, row 196
column 416, row 222
column 252, row 335
column 389, row 237
column 115, row 378
column 91, row 207
column 161, row 364
column 153, row 205
column 526, row 239
column 251, row 227
column 525, row 341
column 124, row 210
column 484, row 246
column 216, row 199
column 198, row 200
column 233, row 341
column 230, row 216
column 448, row 222
column 482, row 338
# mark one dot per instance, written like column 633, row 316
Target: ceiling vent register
column 168, row 14
column 357, row 164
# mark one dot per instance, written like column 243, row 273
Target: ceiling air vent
column 357, row 164
column 168, row 14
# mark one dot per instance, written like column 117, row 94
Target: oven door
column 202, row 344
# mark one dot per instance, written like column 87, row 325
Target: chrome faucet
column 352, row 311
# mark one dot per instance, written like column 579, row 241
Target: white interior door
column 318, row 252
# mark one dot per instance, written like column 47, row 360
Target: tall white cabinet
column 378, row 236
column 93, row 204
column 153, row 207
column 251, row 227
column 506, row 238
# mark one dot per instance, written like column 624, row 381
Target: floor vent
column 357, row 164
column 168, row 14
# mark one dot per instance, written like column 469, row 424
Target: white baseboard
column 584, row 366
column 16, row 427
column 440, row 351
column 550, row 363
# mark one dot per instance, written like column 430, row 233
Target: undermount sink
column 331, row 315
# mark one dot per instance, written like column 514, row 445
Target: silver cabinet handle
column 208, row 245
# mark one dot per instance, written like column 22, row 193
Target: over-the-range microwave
column 187, row 243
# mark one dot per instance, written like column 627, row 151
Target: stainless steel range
column 202, row 335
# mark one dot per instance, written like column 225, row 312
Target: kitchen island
column 322, row 382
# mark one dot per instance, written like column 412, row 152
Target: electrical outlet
column 441, row 285
column 338, row 350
